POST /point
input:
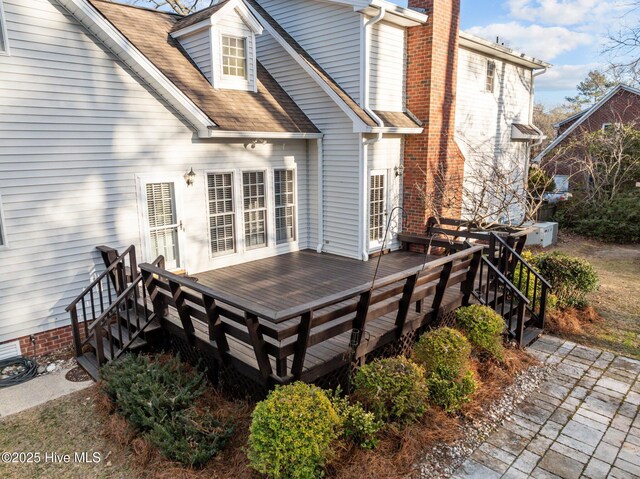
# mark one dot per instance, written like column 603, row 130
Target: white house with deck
column 249, row 129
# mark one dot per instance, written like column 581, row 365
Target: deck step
column 132, row 315
column 137, row 343
column 89, row 363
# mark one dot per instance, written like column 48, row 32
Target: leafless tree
column 182, row 7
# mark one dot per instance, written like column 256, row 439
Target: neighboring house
column 249, row 129
column 494, row 115
column 621, row 105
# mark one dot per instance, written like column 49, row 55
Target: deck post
column 469, row 283
column 361, row 320
column 183, row 312
column 405, row 303
column 302, row 344
column 216, row 326
column 257, row 341
column 441, row 288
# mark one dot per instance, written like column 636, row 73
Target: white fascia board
column 397, row 130
column 264, row 135
column 122, row 48
column 584, row 118
column 358, row 125
column 498, row 51
column 236, row 5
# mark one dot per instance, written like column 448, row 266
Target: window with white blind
column 255, row 209
column 377, row 196
column 285, row 206
column 4, row 39
column 234, row 56
column 163, row 223
column 491, row 76
column 221, row 213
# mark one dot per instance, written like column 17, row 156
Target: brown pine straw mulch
column 394, row 458
column 571, row 321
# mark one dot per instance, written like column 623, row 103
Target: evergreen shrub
column 483, row 327
column 358, row 425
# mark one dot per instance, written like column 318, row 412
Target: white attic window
column 4, row 38
column 223, row 46
column 491, row 76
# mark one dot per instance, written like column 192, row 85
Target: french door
column 163, row 225
column 378, row 197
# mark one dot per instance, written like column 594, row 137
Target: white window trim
column 143, row 215
column 222, row 81
column 493, row 78
column 4, row 242
column 295, row 206
column 375, row 245
column 269, row 206
column 234, row 193
column 3, row 32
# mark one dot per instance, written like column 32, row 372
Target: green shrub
column 393, row 389
column 443, row 348
column 358, row 425
column 291, row 432
column 157, row 397
column 571, row 278
column 451, row 393
column 539, row 182
column 445, row 354
column 616, row 221
column 483, row 327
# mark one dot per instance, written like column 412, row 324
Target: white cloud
column 564, row 77
column 568, row 12
column 537, row 41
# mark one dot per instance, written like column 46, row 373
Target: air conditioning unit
column 544, row 234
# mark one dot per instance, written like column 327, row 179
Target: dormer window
column 234, row 56
column 223, row 44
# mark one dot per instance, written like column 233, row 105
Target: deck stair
column 113, row 314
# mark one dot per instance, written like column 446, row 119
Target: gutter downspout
column 364, row 152
column 320, row 195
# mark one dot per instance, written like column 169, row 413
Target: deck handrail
column 522, row 260
column 277, row 317
column 116, row 263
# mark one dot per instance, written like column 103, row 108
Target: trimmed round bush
column 393, row 389
column 358, row 425
column 571, row 278
column 450, row 393
column 445, row 354
column 291, row 432
column 443, row 348
column 483, row 328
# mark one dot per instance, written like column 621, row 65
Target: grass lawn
column 65, row 426
column 618, row 298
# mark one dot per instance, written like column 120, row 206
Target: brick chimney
column 432, row 59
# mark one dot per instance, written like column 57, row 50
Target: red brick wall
column 432, row 56
column 623, row 107
column 47, row 341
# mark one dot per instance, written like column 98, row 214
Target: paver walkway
column 583, row 422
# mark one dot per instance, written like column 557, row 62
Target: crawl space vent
column 10, row 350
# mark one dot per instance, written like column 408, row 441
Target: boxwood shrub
column 291, row 432
column 358, row 425
column 394, row 389
column 483, row 327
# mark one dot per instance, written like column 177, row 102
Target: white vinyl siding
column 285, row 205
column 4, row 38
column 329, row 32
column 198, row 47
column 3, row 240
column 341, row 153
column 221, row 213
column 387, row 84
column 484, row 120
column 254, row 198
column 76, row 128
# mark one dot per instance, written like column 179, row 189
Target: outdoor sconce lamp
column 190, row 177
column 399, row 170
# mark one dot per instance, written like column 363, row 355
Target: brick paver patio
column 583, row 422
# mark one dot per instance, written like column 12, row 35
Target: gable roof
column 400, row 120
column 585, row 116
column 575, row 116
column 270, row 109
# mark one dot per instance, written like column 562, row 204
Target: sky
column 570, row 34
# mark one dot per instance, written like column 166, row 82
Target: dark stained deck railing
column 309, row 340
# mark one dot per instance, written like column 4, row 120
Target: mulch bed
column 396, row 456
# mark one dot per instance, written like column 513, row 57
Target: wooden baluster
column 157, row 300
column 466, row 287
column 259, row 347
column 441, row 288
column 301, row 345
column 405, row 303
column 360, row 322
column 216, row 326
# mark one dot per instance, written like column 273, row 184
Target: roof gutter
column 275, row 135
column 366, row 73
